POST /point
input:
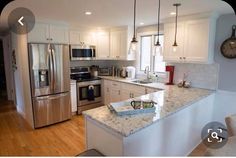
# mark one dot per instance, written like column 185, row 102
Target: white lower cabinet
column 115, row 91
column 106, row 91
column 73, row 97
column 151, row 90
column 132, row 91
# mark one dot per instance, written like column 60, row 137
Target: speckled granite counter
column 170, row 101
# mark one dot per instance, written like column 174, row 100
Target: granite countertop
column 169, row 101
column 155, row 85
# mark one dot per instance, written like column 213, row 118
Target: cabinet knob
column 184, row 58
column 108, row 56
column 180, row 58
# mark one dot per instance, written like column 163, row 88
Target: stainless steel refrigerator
column 50, row 83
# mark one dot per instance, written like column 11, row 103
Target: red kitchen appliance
column 170, row 74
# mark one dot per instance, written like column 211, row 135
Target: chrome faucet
column 146, row 71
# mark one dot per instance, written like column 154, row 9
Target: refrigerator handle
column 51, row 68
column 54, row 67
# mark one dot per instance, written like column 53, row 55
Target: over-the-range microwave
column 82, row 52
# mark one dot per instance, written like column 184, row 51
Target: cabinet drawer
column 132, row 87
column 116, row 85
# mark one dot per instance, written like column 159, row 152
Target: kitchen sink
column 142, row 81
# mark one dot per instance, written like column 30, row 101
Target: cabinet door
column 115, row 44
column 59, row 34
column 103, row 46
column 115, row 95
column 106, row 91
column 73, row 97
column 74, row 37
column 196, row 41
column 40, row 33
column 123, row 45
column 88, row 38
column 125, row 94
column 169, row 32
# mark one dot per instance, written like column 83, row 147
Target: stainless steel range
column 89, row 93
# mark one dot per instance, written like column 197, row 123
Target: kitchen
column 61, row 68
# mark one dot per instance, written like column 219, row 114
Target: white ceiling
column 107, row 13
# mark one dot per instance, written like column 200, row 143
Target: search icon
column 214, row 135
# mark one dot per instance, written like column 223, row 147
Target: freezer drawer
column 51, row 109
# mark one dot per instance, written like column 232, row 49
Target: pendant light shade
column 134, row 43
column 175, row 45
column 157, row 46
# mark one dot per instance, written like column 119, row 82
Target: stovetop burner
column 82, row 74
column 81, row 79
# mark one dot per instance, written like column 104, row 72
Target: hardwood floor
column 18, row 139
column 200, row 150
column 62, row 139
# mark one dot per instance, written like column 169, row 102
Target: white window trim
column 139, row 35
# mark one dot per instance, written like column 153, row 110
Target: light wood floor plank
column 18, row 139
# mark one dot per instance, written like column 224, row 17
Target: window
column 147, row 58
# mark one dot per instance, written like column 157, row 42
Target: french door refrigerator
column 50, row 83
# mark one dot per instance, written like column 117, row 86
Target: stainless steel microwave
column 82, row 52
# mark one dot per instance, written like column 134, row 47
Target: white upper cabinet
column 88, row 38
column 74, row 37
column 44, row 32
column 195, row 41
column 103, row 45
column 111, row 44
column 198, row 41
column 169, row 31
column 119, row 43
column 59, row 34
column 115, row 48
column 40, row 33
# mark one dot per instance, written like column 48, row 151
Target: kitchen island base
column 175, row 135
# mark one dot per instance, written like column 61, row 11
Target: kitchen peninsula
column 173, row 130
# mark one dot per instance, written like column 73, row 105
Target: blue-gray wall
column 227, row 73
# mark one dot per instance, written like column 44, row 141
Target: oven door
column 82, row 94
column 82, row 52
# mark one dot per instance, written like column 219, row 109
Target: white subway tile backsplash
column 200, row 75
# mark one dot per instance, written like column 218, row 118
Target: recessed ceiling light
column 141, row 23
column 173, row 13
column 88, row 13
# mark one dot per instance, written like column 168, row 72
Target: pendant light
column 134, row 42
column 175, row 45
column 157, row 46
